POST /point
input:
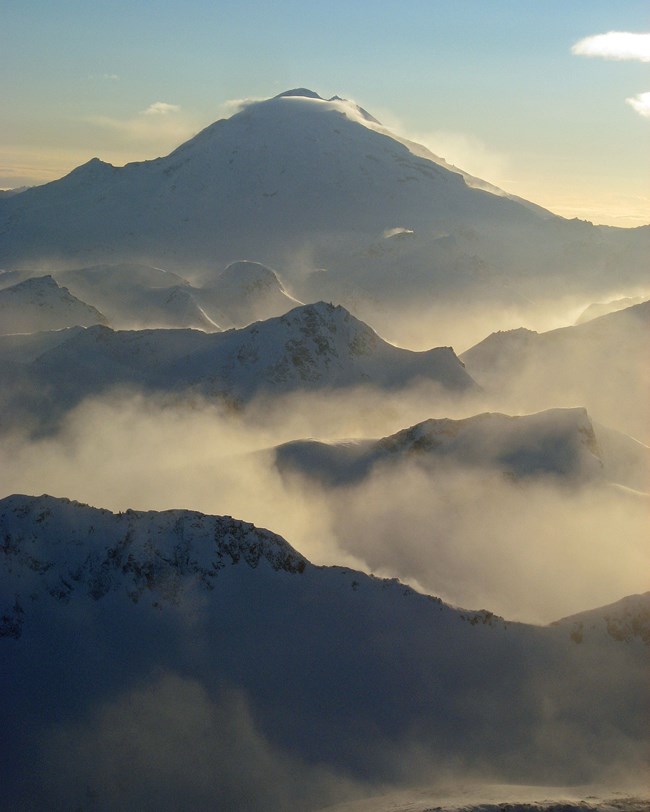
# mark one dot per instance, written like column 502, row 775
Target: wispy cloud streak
column 161, row 109
column 640, row 103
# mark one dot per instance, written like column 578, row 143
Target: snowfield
column 501, row 798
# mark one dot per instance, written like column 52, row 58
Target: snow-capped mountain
column 560, row 443
column 601, row 364
column 603, row 308
column 120, row 629
column 245, row 292
column 304, row 183
column 23, row 348
column 294, row 165
column 313, row 347
column 39, row 304
column 138, row 296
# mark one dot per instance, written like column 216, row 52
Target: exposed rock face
column 58, row 548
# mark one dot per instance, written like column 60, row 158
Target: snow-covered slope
column 39, row 304
column 558, row 442
column 598, row 309
column 9, row 278
column 303, row 183
column 245, row 292
column 24, row 348
column 137, row 296
column 601, row 364
column 624, row 620
column 316, row 346
column 120, row 629
column 474, row 796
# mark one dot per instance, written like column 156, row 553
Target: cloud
column 162, row 125
column 233, row 106
column 618, row 45
column 462, row 150
column 161, row 109
column 552, row 550
column 640, row 103
column 466, row 152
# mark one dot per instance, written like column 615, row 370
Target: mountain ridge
column 556, row 442
column 316, row 347
column 153, row 546
column 569, row 364
column 103, row 614
column 40, row 303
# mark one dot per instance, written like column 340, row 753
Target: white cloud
column 467, row 152
column 161, row 125
column 620, row 45
column 161, row 109
column 233, row 106
column 641, row 103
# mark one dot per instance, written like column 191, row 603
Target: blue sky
column 492, row 85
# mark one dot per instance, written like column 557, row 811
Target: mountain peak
column 158, row 548
column 40, row 303
column 94, row 163
column 93, row 170
column 45, row 282
column 300, row 91
column 246, row 274
column 299, row 169
column 344, row 104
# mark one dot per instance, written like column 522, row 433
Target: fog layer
column 533, row 550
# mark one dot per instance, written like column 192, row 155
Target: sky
column 528, row 95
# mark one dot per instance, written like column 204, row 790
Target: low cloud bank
column 534, row 550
